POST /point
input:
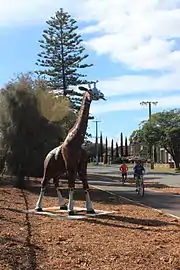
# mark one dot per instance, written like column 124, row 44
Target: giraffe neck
column 78, row 131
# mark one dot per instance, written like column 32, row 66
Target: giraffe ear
column 82, row 88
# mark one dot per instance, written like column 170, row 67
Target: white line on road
column 137, row 203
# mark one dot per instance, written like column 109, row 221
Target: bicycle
column 140, row 185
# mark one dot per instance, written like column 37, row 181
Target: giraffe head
column 94, row 93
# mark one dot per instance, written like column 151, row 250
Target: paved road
column 159, row 200
column 169, row 179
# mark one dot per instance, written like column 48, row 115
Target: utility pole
column 96, row 122
column 151, row 147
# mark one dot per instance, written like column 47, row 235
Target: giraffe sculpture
column 70, row 157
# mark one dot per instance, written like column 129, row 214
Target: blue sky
column 135, row 50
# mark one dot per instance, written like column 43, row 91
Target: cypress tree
column 126, row 147
column 112, row 150
column 106, row 152
column 63, row 56
column 121, row 147
column 117, row 150
column 101, row 150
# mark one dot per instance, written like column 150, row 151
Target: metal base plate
column 55, row 212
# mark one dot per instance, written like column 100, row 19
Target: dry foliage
column 53, row 108
column 132, row 238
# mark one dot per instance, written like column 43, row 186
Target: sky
column 134, row 46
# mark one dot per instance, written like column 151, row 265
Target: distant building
column 162, row 155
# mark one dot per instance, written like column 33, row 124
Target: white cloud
column 143, row 34
column 134, row 104
column 132, row 84
column 15, row 13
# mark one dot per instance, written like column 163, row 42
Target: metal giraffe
column 70, row 157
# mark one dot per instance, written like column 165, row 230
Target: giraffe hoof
column 38, row 209
column 63, row 207
column 71, row 213
column 90, row 211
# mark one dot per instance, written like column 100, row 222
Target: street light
column 149, row 104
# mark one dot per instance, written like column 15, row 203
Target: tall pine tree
column 121, row 147
column 62, row 56
column 106, row 152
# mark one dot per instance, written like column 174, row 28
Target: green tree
column 137, row 136
column 101, row 150
column 26, row 134
column 91, row 148
column 126, row 147
column 117, row 151
column 106, row 152
column 62, row 57
column 121, row 146
column 112, row 150
column 164, row 131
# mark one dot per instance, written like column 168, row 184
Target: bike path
column 166, row 202
column 168, row 179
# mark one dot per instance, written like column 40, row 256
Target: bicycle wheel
column 137, row 184
column 141, row 188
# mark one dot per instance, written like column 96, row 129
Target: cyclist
column 123, row 168
column 139, row 170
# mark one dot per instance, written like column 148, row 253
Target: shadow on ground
column 19, row 253
column 134, row 223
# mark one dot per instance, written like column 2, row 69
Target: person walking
column 124, row 169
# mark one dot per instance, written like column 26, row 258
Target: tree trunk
column 177, row 161
column 20, row 179
column 155, row 154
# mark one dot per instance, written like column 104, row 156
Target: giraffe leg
column 62, row 202
column 39, row 202
column 44, row 184
column 89, row 207
column 71, row 184
column 41, row 195
column 82, row 172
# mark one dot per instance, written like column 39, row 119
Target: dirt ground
column 133, row 237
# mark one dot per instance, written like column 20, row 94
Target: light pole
column 151, row 147
column 96, row 122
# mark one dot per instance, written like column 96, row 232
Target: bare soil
column 133, row 237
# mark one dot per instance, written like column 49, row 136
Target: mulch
column 134, row 237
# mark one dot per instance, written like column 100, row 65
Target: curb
column 137, row 203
